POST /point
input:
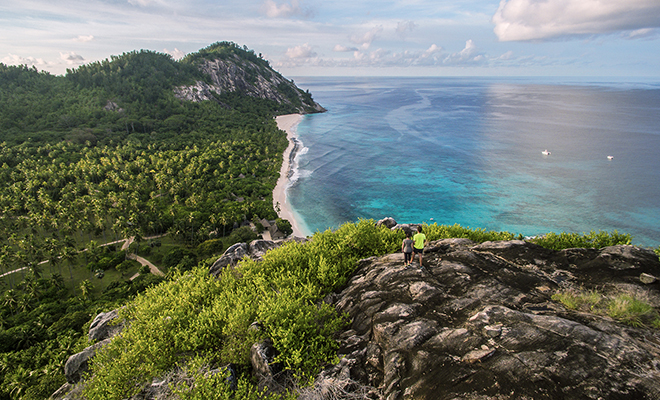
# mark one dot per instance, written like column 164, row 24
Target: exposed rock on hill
column 478, row 322
column 234, row 70
column 254, row 250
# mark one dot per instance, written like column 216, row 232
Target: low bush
column 479, row 235
column 596, row 240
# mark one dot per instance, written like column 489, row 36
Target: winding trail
column 127, row 242
column 152, row 268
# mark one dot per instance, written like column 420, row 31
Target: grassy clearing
column 629, row 308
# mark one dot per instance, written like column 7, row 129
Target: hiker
column 420, row 241
column 407, row 249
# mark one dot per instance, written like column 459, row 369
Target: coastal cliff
column 475, row 321
column 230, row 69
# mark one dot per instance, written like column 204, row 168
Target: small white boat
column 610, row 157
column 546, row 152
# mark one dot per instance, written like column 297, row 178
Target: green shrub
column 597, row 240
column 578, row 300
column 244, row 234
column 212, row 246
column 479, row 235
column 284, row 226
column 631, row 310
column 174, row 257
column 198, row 314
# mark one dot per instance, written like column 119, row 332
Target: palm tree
column 86, row 288
column 10, row 300
column 57, row 281
column 5, row 257
column 69, row 254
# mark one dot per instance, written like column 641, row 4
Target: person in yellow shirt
column 418, row 247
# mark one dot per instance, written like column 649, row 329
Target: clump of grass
column 628, row 308
column 579, row 300
column 631, row 311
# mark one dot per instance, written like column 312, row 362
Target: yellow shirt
column 419, row 239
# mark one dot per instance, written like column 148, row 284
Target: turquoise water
column 469, row 151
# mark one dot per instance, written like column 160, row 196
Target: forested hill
column 143, row 89
column 115, row 150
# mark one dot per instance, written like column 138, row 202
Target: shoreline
column 288, row 123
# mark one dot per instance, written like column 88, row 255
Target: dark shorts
column 418, row 251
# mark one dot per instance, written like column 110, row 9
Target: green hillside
column 108, row 152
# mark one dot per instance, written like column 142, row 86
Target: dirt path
column 127, row 242
column 152, row 268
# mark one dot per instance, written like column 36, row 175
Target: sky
column 608, row 38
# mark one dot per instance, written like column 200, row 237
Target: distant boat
column 546, row 152
column 610, row 157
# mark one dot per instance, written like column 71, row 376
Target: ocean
column 468, row 151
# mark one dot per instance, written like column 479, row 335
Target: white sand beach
column 287, row 123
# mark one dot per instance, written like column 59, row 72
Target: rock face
column 478, row 322
column 100, row 331
column 254, row 250
column 104, row 326
column 237, row 74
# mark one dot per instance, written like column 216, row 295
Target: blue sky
column 349, row 37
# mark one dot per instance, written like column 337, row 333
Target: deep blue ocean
column 468, row 151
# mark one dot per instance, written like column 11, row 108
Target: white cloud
column 71, row 58
column 274, row 10
column 13, row 59
column 365, row 39
column 404, row 27
column 469, row 55
column 506, row 56
column 302, row 51
column 176, row 53
column 641, row 33
column 142, row 3
column 538, row 20
column 340, row 48
column 378, row 58
column 84, row 39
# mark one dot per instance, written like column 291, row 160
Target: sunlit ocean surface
column 468, row 151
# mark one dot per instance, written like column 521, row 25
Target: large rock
column 104, row 326
column 254, row 250
column 78, row 364
column 478, row 322
column 102, row 329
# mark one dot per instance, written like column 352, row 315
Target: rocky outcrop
column 102, row 329
column 77, row 364
column 478, row 322
column 254, row 250
column 236, row 74
column 104, row 326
